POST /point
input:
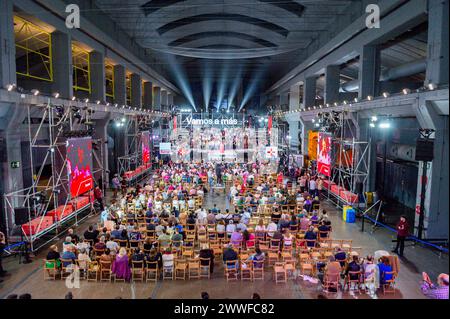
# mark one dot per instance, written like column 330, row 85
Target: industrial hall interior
column 224, row 149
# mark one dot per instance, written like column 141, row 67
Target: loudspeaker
column 21, row 215
column 424, row 150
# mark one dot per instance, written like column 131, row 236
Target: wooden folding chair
column 151, row 271
column 231, row 270
column 93, row 271
column 106, row 271
column 194, row 269
column 246, row 270
column 258, row 270
column 279, row 272
column 50, row 270
column 67, row 267
column 205, row 268
column 137, row 271
column 389, row 285
column 350, row 279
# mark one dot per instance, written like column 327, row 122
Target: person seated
column 120, row 266
column 138, row 255
column 164, row 238
column 135, row 234
column 231, row 228
column 211, row 218
column 236, row 237
column 276, row 215
column 323, row 229
column 229, row 254
column 314, row 219
column 207, row 253
column 311, row 237
column 101, row 244
column 288, row 240
column 69, row 254
column 284, row 223
column 332, row 271
column 155, row 256
column 435, row 292
column 177, row 238
column 304, row 222
column 53, row 257
column 384, row 267
column 110, row 244
column 340, row 256
column 370, row 272
column 168, row 259
column 271, row 229
column 116, row 233
column 91, row 234
column 83, row 259
column 257, row 258
column 353, row 266
column 68, row 244
column 108, row 255
column 75, row 237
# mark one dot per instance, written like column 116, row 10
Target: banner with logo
column 324, row 154
column 271, row 152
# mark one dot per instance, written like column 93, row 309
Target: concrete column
column 97, row 61
column 437, row 59
column 309, row 91
column 136, row 90
column 332, row 82
column 294, row 104
column 101, row 132
column 169, row 99
column 284, row 101
column 437, row 187
column 148, row 95
column 157, row 98
column 120, row 85
column 369, row 71
column 163, row 99
column 62, row 64
column 7, row 48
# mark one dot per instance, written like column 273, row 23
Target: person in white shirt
column 112, row 245
column 271, row 229
column 312, row 188
column 201, row 216
column 231, row 228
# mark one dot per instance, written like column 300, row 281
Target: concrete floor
column 29, row 278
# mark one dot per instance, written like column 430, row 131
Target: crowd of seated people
column 163, row 222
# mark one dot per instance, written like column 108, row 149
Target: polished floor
column 29, row 278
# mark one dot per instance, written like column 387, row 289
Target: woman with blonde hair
column 121, row 266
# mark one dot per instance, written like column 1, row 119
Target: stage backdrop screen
column 79, row 165
column 165, row 148
column 145, row 140
column 324, row 154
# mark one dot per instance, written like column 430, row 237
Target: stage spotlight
column 384, row 125
column 86, row 100
column 385, row 94
column 10, row 87
column 369, row 98
column 74, row 98
column 432, row 86
column 56, row 95
column 107, row 104
column 374, row 118
column 35, row 92
column 406, row 91
column 98, row 102
column 356, row 100
column 372, row 124
column 313, row 120
column 335, row 104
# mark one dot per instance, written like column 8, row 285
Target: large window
column 81, row 69
column 33, row 50
column 109, row 79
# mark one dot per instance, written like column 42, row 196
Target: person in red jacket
column 402, row 233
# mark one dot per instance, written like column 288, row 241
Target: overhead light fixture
column 385, row 94
column 432, row 86
column 369, row 97
column 372, row 124
column 86, row 100
column 356, row 100
column 374, row 118
column 10, row 87
column 98, row 102
column 74, row 98
column 406, row 91
column 35, row 92
column 384, row 125
column 56, row 95
column 313, row 120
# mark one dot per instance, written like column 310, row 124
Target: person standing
column 115, row 184
column 402, row 232
column 98, row 194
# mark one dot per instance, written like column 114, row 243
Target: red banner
column 174, row 122
column 324, row 154
column 269, row 125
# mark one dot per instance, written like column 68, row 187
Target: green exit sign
column 15, row 164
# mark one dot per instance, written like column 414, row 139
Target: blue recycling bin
column 350, row 216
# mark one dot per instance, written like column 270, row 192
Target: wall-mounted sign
column 15, row 164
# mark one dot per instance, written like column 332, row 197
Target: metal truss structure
column 54, row 121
